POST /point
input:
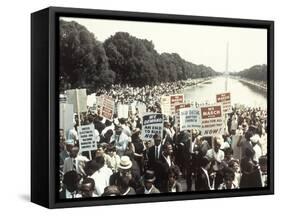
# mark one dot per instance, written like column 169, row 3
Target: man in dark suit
column 203, row 179
column 166, row 161
column 154, row 152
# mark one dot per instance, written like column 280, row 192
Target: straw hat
column 125, row 163
column 69, row 142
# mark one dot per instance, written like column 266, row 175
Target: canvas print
column 151, row 108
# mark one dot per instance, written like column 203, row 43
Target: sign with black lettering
column 177, row 114
column 190, row 118
column 86, row 134
column 152, row 124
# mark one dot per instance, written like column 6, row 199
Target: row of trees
column 121, row 59
column 257, row 72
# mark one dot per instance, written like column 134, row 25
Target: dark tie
column 74, row 164
column 156, row 155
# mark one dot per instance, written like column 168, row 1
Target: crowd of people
column 178, row 161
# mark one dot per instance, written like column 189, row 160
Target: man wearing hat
column 148, row 187
column 124, row 169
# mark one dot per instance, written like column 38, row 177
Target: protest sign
column 152, row 124
column 122, row 110
column 92, row 100
column 212, row 120
column 107, row 109
column 177, row 115
column 175, row 100
column 225, row 100
column 190, row 118
column 166, row 105
column 141, row 109
column 86, row 135
column 78, row 98
column 99, row 100
column 66, row 117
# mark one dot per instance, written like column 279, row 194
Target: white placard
column 66, row 117
column 190, row 118
column 78, row 98
column 86, row 135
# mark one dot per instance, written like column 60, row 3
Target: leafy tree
column 83, row 60
column 257, row 72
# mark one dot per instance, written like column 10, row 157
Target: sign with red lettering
column 176, row 100
column 212, row 120
column 107, row 109
column 225, row 99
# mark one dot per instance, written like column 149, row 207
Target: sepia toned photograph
column 151, row 108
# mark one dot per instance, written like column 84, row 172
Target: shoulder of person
column 82, row 158
column 155, row 190
column 178, row 186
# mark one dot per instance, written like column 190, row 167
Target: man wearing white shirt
column 121, row 141
column 75, row 161
column 101, row 175
column 216, row 156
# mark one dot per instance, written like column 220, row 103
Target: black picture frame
column 45, row 94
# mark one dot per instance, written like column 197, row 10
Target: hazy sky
column 195, row 43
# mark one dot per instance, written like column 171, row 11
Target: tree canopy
column 257, row 72
column 120, row 59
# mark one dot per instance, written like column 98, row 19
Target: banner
column 190, row 118
column 122, row 110
column 225, row 100
column 78, row 98
column 66, row 117
column 212, row 120
column 86, row 135
column 107, row 109
column 152, row 124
